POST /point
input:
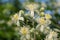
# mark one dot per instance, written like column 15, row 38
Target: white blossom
column 51, row 36
column 25, row 33
column 32, row 7
column 16, row 17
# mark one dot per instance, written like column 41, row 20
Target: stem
column 34, row 32
column 32, row 14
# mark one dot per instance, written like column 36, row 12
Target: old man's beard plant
column 30, row 27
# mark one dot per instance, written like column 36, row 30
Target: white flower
column 32, row 7
column 25, row 33
column 48, row 16
column 24, row 30
column 42, row 21
column 16, row 17
column 51, row 36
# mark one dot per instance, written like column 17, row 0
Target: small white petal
column 28, row 36
column 22, row 38
column 21, row 18
column 48, row 22
column 32, row 13
column 42, row 28
column 18, row 24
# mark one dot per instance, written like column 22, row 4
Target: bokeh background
column 10, row 7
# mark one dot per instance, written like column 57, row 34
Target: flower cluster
column 43, row 21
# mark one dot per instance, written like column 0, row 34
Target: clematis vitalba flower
column 42, row 20
column 32, row 7
column 25, row 33
column 24, row 30
column 48, row 16
column 16, row 17
column 51, row 36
